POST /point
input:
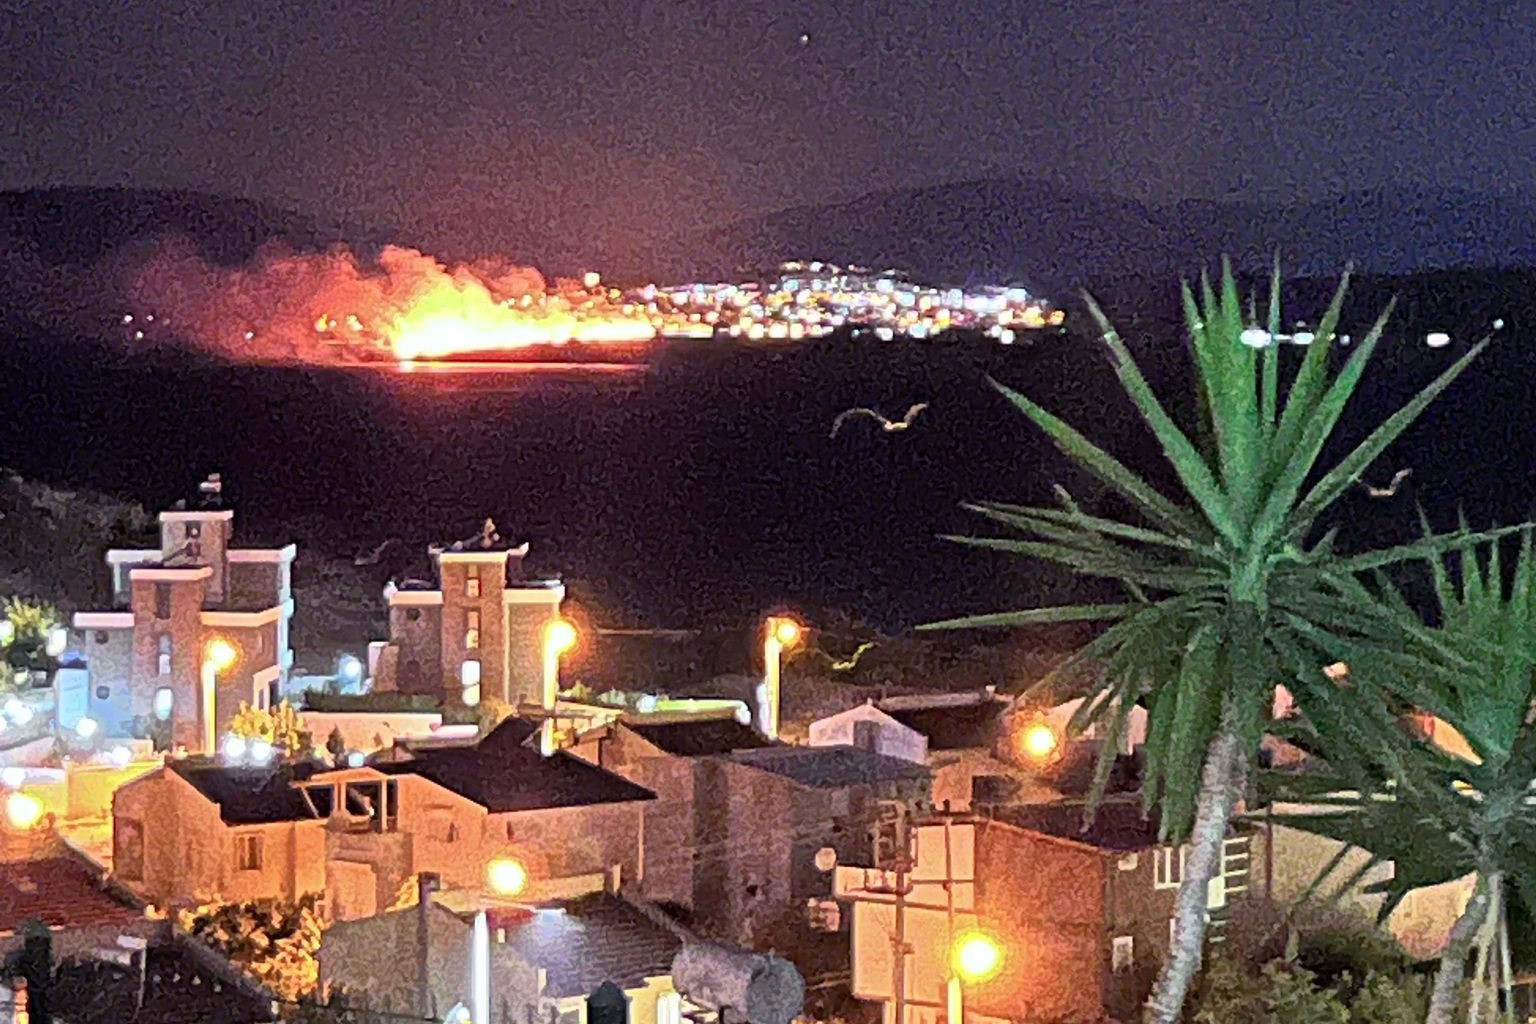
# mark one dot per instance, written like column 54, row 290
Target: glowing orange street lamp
column 973, row 957
column 506, row 876
column 1038, row 742
column 782, row 633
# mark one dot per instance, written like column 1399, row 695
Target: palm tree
column 1230, row 591
column 1450, row 814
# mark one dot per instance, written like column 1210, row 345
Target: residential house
column 959, row 736
column 477, row 630
column 734, row 834
column 586, row 959
column 1083, row 917
column 199, row 627
column 198, row 831
column 61, row 892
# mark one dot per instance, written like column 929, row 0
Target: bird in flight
column 1391, row 489
column 372, row 557
column 885, row 424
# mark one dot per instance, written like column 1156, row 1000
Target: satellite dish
column 826, row 859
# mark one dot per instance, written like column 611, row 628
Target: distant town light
column 646, row 704
column 1437, row 339
column 233, row 748
column 507, row 877
column 120, row 756
column 1498, row 324
column 23, row 811
column 1255, row 337
column 350, row 669
column 356, row 759
column 1303, row 338
column 591, row 279
column 86, row 728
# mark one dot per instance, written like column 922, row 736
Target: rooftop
column 830, row 767
column 246, row 795
column 176, row 991
column 1120, row 826
column 586, row 941
column 951, row 721
column 701, row 736
column 502, row 774
column 62, row 893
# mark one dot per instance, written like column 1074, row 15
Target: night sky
column 477, row 127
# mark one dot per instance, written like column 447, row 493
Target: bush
column 341, row 703
column 1332, row 955
column 1284, row 992
column 274, row 941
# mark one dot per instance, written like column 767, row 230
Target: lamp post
column 218, row 656
column 973, row 957
column 781, row 634
column 559, row 637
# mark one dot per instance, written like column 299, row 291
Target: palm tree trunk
column 1221, row 783
column 1446, row 994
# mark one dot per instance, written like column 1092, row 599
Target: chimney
column 427, row 883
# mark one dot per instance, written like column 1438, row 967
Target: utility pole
column 900, row 864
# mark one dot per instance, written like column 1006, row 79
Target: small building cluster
column 567, row 862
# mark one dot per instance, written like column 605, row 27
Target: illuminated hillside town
column 458, row 315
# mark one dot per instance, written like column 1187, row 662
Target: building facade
column 199, row 832
column 199, row 627
column 479, row 629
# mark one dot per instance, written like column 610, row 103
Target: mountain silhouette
column 1055, row 237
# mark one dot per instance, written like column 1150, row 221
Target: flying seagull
column 1391, row 489
column 885, row 424
column 372, row 557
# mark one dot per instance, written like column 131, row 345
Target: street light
column 1038, row 742
column 781, row 634
column 973, row 957
column 219, row 655
column 507, row 876
column 559, row 637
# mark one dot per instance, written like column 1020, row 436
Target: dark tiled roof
column 502, row 774
column 248, row 796
column 62, row 893
column 176, row 991
column 587, row 941
column 954, row 727
column 830, row 767
column 1119, row 826
column 703, row 737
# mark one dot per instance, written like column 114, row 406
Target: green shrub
column 1285, row 992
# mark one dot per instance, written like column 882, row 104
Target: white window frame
column 1168, row 873
column 1122, row 953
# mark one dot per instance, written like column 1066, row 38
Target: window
column 248, row 853
column 128, row 849
column 322, row 799
column 1168, row 869
column 469, row 675
column 1122, row 953
column 194, row 549
column 261, row 696
column 165, row 700
column 194, row 530
column 162, row 600
column 103, row 692
column 412, row 614
column 102, row 636
column 472, row 630
column 472, row 587
column 165, row 655
column 453, row 835
column 669, row 1008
